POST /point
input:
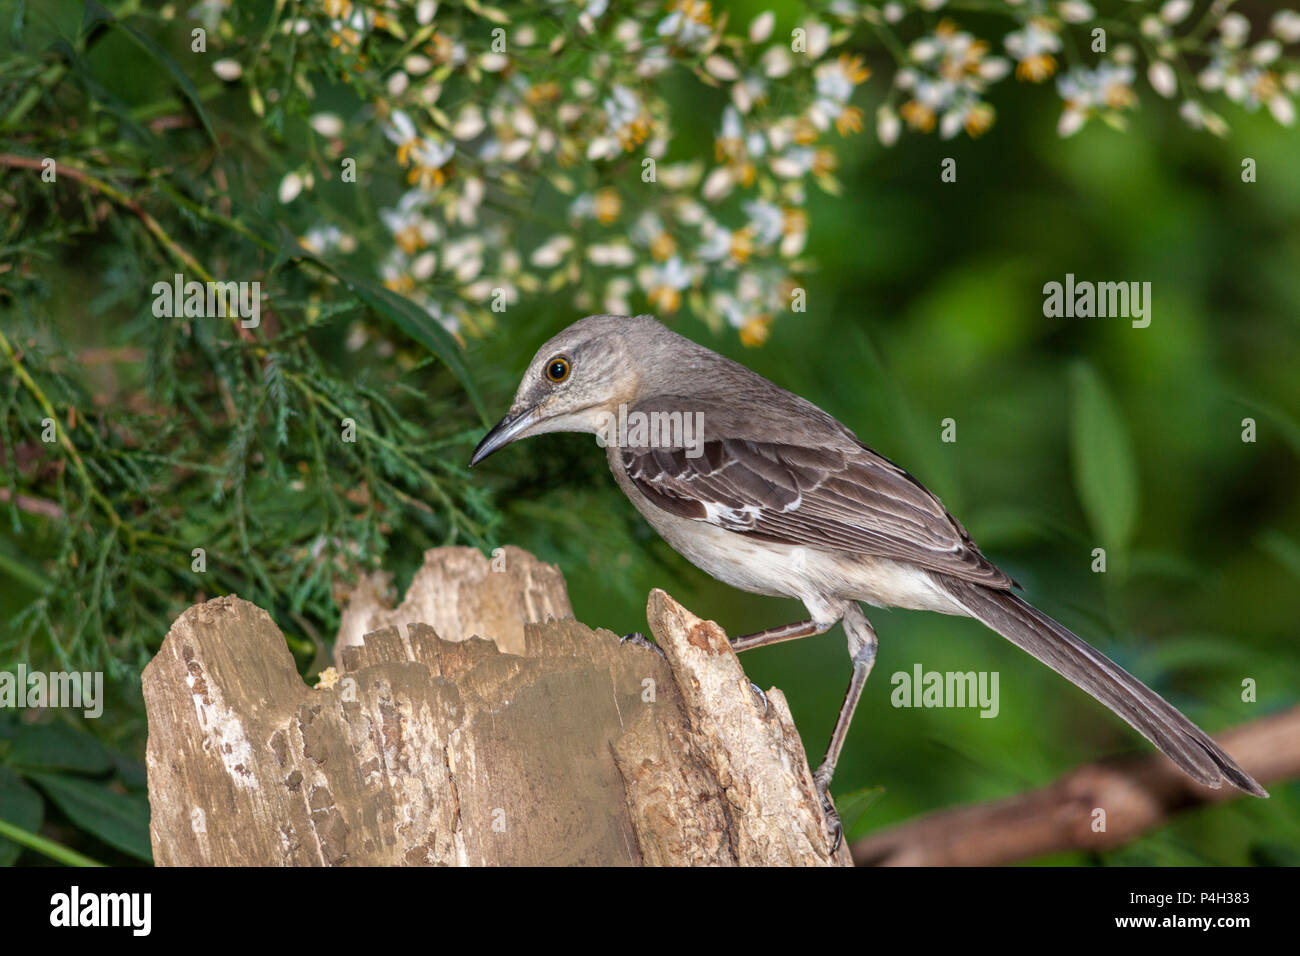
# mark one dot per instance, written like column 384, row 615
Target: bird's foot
column 758, row 692
column 822, row 781
column 639, row 639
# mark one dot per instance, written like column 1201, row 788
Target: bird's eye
column 557, row 370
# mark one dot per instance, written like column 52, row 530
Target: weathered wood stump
column 476, row 723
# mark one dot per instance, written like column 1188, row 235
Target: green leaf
column 21, row 806
column 408, row 317
column 1105, row 475
column 1281, row 548
column 92, row 15
column 853, row 809
column 118, row 820
column 58, row 747
column 1273, row 853
column 161, row 56
column 16, row 26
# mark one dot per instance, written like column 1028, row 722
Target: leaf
column 20, row 805
column 99, row 94
column 16, row 28
column 92, row 16
column 96, row 14
column 1105, row 475
column 1281, row 548
column 1273, row 853
column 408, row 317
column 118, row 820
column 58, row 747
column 853, row 809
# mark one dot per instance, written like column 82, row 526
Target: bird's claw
column 639, row 639
column 761, row 696
column 823, row 784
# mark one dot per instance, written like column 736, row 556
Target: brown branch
column 1127, row 797
column 37, row 506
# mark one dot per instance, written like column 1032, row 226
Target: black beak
column 502, row 434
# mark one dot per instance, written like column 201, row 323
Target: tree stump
column 476, row 723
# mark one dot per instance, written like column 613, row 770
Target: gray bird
column 777, row 497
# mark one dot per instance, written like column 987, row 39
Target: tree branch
column 1132, row 795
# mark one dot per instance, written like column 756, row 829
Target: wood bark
column 476, row 723
column 1098, row 806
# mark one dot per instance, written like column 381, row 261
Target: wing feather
column 847, row 499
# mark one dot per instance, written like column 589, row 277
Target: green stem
column 62, row 434
column 34, row 841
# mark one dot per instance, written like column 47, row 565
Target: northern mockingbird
column 777, row 497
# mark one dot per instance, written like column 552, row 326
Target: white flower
column 327, row 124
column 748, row 91
column 1286, row 25
column 1198, row 117
column 617, row 254
column 721, row 68
column 323, row 239
column 765, row 219
column 1175, row 11
column 673, row 274
column 1283, row 109
column 1234, row 28
column 412, row 230
column 818, row 39
column 228, row 70
column 469, row 122
column 290, row 186
column 887, row 126
column 776, row 62
column 1161, row 76
column 1265, row 52
column 552, row 252
column 688, row 25
column 424, row 266
column 761, row 28
column 1076, row 11
column 718, row 184
column 617, row 291
column 465, row 258
column 417, row 65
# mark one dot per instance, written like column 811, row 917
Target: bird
column 774, row 496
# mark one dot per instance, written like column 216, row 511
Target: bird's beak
column 503, row 433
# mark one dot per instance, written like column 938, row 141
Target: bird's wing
column 846, row 499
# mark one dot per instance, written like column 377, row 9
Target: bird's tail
column 1087, row 668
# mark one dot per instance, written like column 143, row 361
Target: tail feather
column 1087, row 668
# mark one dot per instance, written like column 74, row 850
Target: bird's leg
column 774, row 635
column 862, row 649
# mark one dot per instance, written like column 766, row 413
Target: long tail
column 1087, row 668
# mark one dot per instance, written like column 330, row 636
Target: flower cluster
column 541, row 151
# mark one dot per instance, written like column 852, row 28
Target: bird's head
column 576, row 380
